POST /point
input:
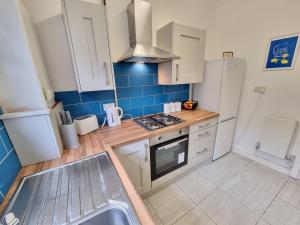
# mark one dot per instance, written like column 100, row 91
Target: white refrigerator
column 220, row 92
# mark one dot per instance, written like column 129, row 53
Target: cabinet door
column 89, row 44
column 189, row 44
column 135, row 160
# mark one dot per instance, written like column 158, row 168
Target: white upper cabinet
column 189, row 44
column 87, row 28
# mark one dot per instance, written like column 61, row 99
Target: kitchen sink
column 112, row 216
column 88, row 191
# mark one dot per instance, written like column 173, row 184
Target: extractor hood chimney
column 140, row 36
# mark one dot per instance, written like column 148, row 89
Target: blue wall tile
column 135, row 112
column 165, row 98
column 83, row 109
column 136, row 69
column 124, row 103
column 142, row 101
column 141, row 80
column 95, row 96
column 9, row 169
column 6, row 140
column 153, row 109
column 153, row 90
column 121, row 68
column 3, row 151
column 151, row 68
column 122, row 81
column 173, row 88
column 9, row 162
column 129, row 92
column 137, row 89
column 185, row 87
column 68, row 97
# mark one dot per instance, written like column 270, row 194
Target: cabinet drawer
column 203, row 125
column 201, row 144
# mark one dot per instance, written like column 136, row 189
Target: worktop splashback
column 138, row 93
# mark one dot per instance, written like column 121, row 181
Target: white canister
column 167, row 108
column 173, row 107
column 178, row 106
column 69, row 135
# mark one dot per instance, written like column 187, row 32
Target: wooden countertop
column 104, row 139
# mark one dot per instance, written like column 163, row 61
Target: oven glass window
column 168, row 157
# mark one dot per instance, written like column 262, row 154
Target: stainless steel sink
column 87, row 191
column 110, row 216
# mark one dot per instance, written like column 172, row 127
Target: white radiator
column 276, row 139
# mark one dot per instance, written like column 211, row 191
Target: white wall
column 201, row 14
column 245, row 27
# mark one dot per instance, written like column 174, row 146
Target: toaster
column 86, row 124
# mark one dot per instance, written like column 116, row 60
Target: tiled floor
column 231, row 191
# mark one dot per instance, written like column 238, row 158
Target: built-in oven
column 168, row 152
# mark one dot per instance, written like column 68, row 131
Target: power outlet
column 260, row 90
column 107, row 106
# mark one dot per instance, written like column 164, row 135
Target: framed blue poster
column 282, row 52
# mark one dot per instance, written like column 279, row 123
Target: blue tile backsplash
column 9, row 162
column 138, row 93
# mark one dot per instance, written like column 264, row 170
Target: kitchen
column 179, row 173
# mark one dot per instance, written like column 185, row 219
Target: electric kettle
column 113, row 116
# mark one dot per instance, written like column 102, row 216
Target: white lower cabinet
column 201, row 145
column 135, row 158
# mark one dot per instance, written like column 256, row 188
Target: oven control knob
column 159, row 138
column 180, row 132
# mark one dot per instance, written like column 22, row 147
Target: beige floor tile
column 225, row 210
column 279, row 212
column 291, row 194
column 248, row 194
column 196, row 187
column 195, row 217
column 294, row 218
column 152, row 213
column 258, row 200
column 216, row 174
column 237, row 187
column 264, row 177
column 233, row 161
column 170, row 204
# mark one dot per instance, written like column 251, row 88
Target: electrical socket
column 107, row 106
column 260, row 90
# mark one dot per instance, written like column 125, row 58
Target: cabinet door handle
column 205, row 134
column 106, row 74
column 206, row 125
column 146, row 152
column 177, row 72
column 204, row 150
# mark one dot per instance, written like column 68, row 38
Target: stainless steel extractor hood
column 140, row 36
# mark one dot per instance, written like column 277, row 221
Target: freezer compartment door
column 224, row 138
column 232, row 83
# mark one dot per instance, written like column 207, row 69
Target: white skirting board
column 250, row 153
column 276, row 139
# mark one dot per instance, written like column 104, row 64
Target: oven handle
column 172, row 144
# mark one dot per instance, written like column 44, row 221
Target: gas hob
column 157, row 121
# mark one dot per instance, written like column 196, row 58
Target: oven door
column 168, row 156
